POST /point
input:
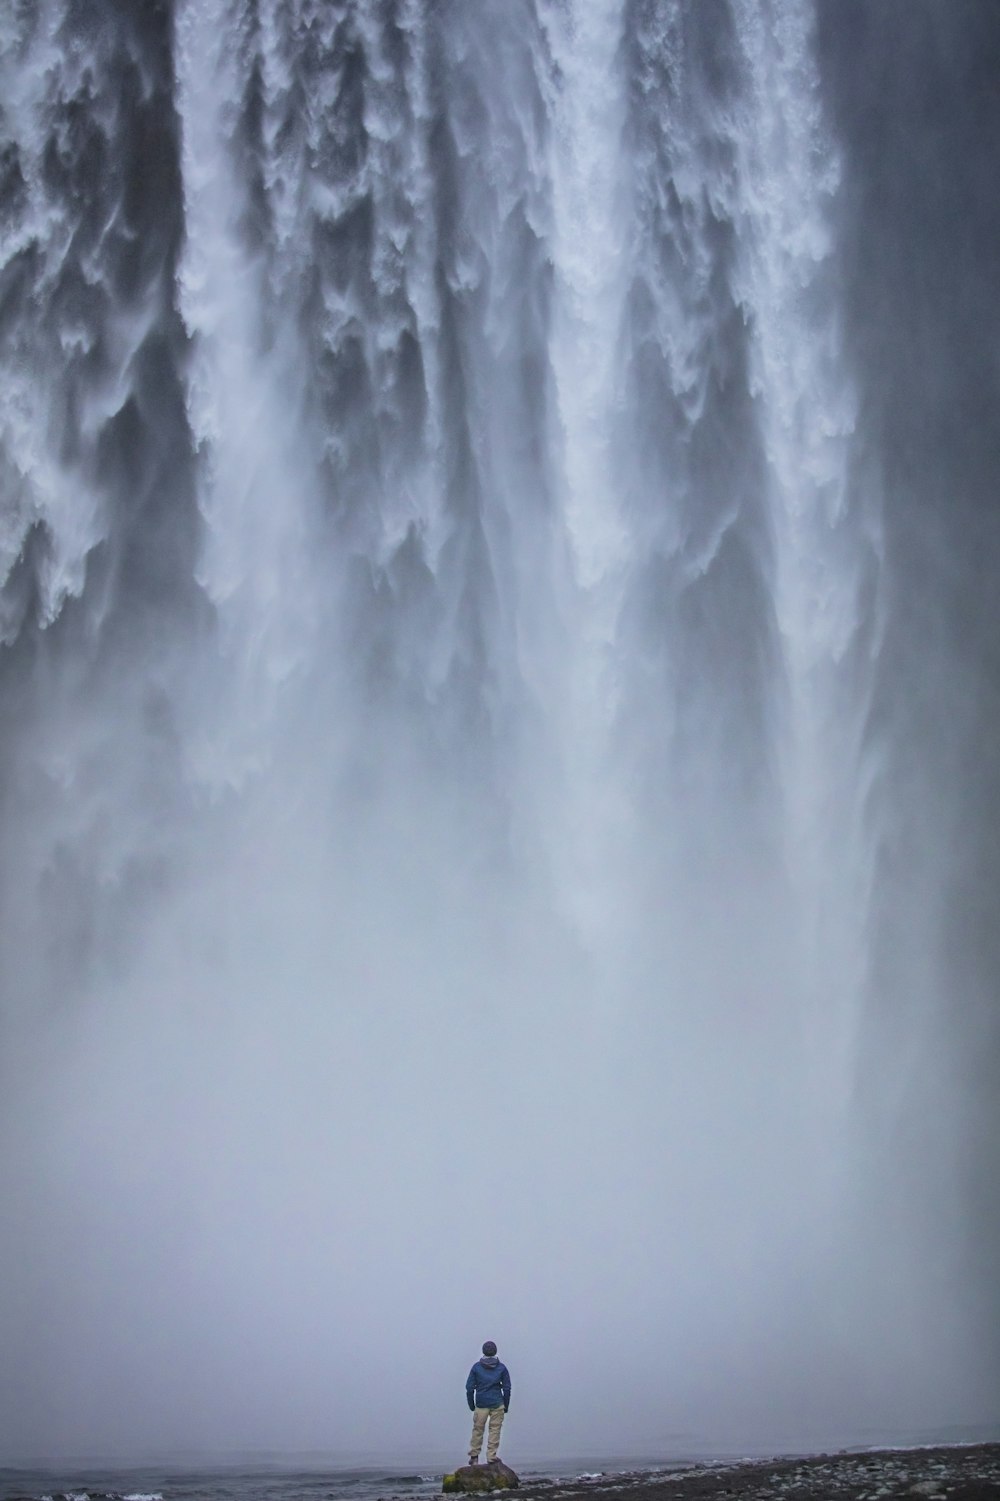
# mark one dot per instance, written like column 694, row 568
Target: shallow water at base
column 296, row 1479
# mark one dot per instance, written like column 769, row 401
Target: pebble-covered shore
column 946, row 1474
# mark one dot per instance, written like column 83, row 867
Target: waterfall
column 451, row 755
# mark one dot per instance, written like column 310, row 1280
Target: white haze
column 458, row 923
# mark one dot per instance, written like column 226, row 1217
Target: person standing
column 488, row 1394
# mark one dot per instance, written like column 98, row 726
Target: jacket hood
column 489, row 1361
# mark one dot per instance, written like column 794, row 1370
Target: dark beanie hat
column 489, row 1348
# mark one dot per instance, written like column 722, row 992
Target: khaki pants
column 479, row 1417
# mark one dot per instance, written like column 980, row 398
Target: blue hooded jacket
column 488, row 1384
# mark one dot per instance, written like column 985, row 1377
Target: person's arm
column 505, row 1388
column 470, row 1390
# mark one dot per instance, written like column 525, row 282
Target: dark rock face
column 495, row 1476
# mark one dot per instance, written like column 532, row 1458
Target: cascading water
column 447, row 753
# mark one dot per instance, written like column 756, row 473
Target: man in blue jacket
column 488, row 1394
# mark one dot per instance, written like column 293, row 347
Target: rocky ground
column 948, row 1474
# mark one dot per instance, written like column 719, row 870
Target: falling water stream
column 447, row 757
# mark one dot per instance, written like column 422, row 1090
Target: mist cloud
column 498, row 801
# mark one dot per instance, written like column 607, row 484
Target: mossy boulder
column 492, row 1477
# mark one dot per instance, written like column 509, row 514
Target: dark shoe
column 473, row 1459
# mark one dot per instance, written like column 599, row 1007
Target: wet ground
column 969, row 1473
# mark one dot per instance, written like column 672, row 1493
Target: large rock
column 495, row 1476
